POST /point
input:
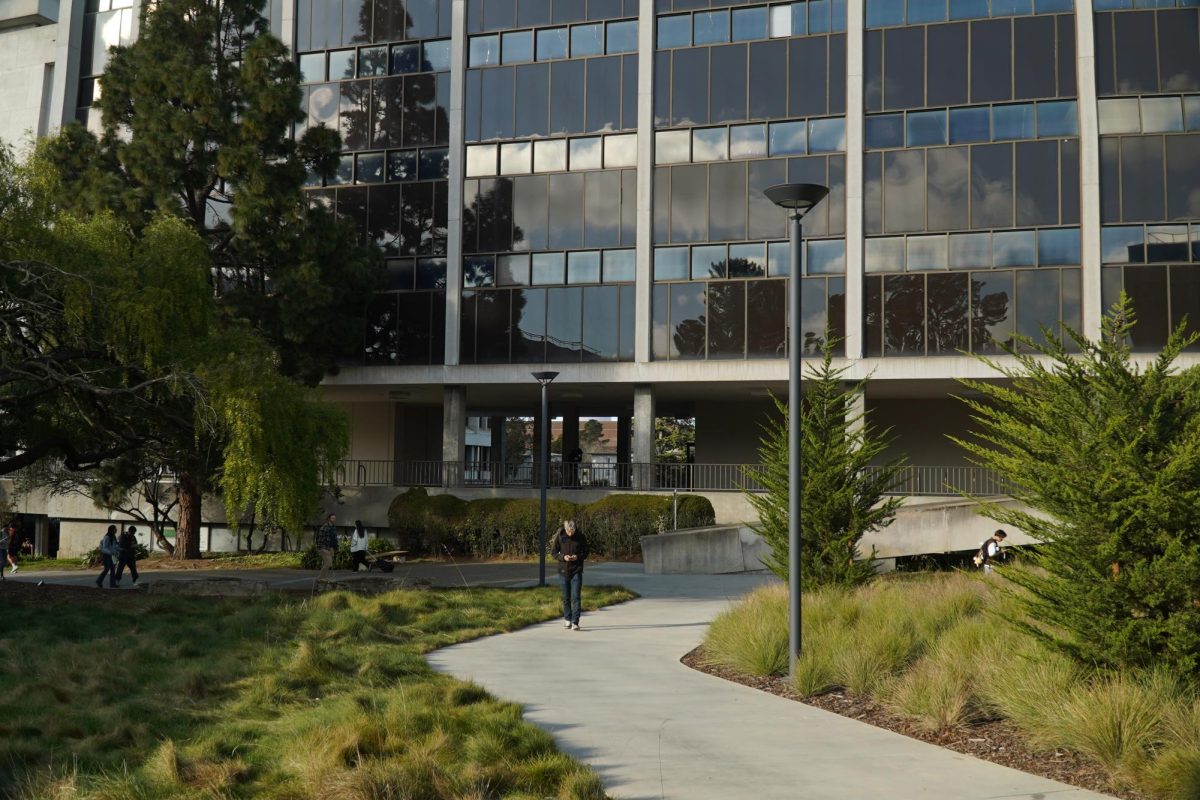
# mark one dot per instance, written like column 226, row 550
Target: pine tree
column 841, row 500
column 1103, row 457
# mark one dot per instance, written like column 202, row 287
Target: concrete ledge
column 706, row 551
column 26, row 13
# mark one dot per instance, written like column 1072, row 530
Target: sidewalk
column 615, row 696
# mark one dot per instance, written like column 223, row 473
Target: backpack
column 981, row 556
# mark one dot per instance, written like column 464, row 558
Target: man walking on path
column 570, row 550
column 326, row 544
column 127, row 554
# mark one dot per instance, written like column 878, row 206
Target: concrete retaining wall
column 707, row 551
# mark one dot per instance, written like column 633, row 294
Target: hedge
column 492, row 527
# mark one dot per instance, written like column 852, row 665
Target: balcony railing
column 932, row 481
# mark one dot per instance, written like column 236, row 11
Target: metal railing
column 935, row 481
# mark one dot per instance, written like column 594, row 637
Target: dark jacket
column 327, row 537
column 127, row 543
column 570, row 546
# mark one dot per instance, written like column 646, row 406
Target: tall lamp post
column 798, row 199
column 545, row 379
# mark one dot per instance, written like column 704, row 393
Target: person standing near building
column 358, row 546
column 12, row 547
column 127, row 554
column 326, row 545
column 989, row 551
column 570, row 549
column 109, row 551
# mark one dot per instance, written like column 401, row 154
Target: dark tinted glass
column 812, row 316
column 660, row 309
column 529, row 325
column 1037, row 302
column 662, row 88
column 497, row 113
column 727, row 319
column 812, row 169
column 991, row 60
column 494, row 212
column 420, row 116
column 991, row 186
column 569, row 10
column 904, row 315
column 836, row 202
column 1105, row 57
column 873, row 71
column 689, row 203
column 383, row 215
column 808, row 58
column 1069, row 182
column 499, row 14
column 604, row 94
column 566, row 97
column 947, row 61
column 466, row 328
column 491, row 327
column 1179, row 50
column 1036, row 190
column 564, row 329
column 1066, row 57
column 948, row 313
column 768, row 92
column 356, row 21
column 533, row 108
column 566, row 210
column 422, row 19
column 1142, row 178
column 471, row 104
column 687, row 334
column 629, row 69
column 689, row 87
column 727, row 204
column 602, row 209
column 947, row 194
column 382, row 334
column 1136, row 57
column 1034, row 69
column 1185, row 299
column 1183, row 176
column 837, row 71
column 417, row 219
column 1110, row 180
column 530, row 213
column 626, row 323
column 904, row 190
column 766, row 219
column 601, row 329
column 629, row 207
column 416, row 321
column 728, row 99
column 992, row 322
column 904, row 68
column 1147, row 288
column 662, row 205
column 533, row 12
column 766, row 312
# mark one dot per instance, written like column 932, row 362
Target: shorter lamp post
column 545, row 379
column 798, row 199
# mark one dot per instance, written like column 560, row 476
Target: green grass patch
column 938, row 650
column 271, row 697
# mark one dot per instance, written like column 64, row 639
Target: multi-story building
column 577, row 185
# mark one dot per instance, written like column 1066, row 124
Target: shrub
column 426, row 523
column 695, row 511
column 615, row 524
column 92, row 557
column 1115, row 720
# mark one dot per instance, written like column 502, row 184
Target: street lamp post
column 545, row 379
column 798, row 199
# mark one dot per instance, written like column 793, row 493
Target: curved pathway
column 615, row 696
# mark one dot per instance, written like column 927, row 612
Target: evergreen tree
column 841, row 500
column 197, row 117
column 1104, row 459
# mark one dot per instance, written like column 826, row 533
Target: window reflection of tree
column 989, row 309
column 489, row 214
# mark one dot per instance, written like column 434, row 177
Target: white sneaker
column 12, row 571
column 575, row 627
column 566, row 623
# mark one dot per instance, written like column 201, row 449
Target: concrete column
column 644, row 286
column 454, row 201
column 855, row 19
column 1092, row 301
column 287, row 24
column 643, row 436
column 65, row 91
column 454, row 434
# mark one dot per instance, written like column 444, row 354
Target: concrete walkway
column 615, row 696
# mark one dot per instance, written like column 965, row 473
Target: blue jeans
column 110, row 570
column 571, row 587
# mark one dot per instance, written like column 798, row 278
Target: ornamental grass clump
column 752, row 636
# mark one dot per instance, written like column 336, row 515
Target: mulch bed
column 994, row 740
column 24, row 593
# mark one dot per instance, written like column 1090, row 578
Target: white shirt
column 358, row 544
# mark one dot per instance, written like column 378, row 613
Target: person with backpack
column 109, row 552
column 989, row 551
column 127, row 554
column 358, row 546
column 570, row 550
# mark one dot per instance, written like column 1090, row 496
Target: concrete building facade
column 577, row 185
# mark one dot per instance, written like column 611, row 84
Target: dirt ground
column 995, row 740
column 25, row 593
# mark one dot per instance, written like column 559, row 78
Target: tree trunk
column 163, row 542
column 187, row 534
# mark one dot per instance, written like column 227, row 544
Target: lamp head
column 796, row 197
column 544, row 378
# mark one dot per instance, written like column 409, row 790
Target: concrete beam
column 454, row 433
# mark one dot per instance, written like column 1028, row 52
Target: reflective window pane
column 884, row 255
column 1037, row 303
column 550, row 156
column 970, row 125
column 708, row 262
column 481, row 160
column 766, row 312
column 551, row 43
column 968, row 250
column 437, row 56
column 825, row 257
column 516, row 158
column 587, row 40
column 749, row 23
column 748, row 260
column 601, row 328
column 406, row 58
column 1058, row 119
column 583, row 266
column 687, row 330
column 710, row 27
column 747, row 141
column 620, row 151
column 512, row 270
column 947, row 315
column 904, row 315
column 1122, row 245
column 1119, row 115
column 671, row 263
column 885, row 130
column 1161, row 114
column 586, row 153
column 726, row 319
column 710, row 144
column 926, row 127
column 826, row 135
column 926, row 253
column 1013, row 249
column 483, row 50
column 517, row 47
column 564, row 324
column 548, row 268
column 620, row 266
column 991, row 186
column 947, row 195
column 672, row 147
column 1013, row 122
column 674, row 31
column 992, row 317
column 1061, row 246
column 622, row 37
column 788, row 138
